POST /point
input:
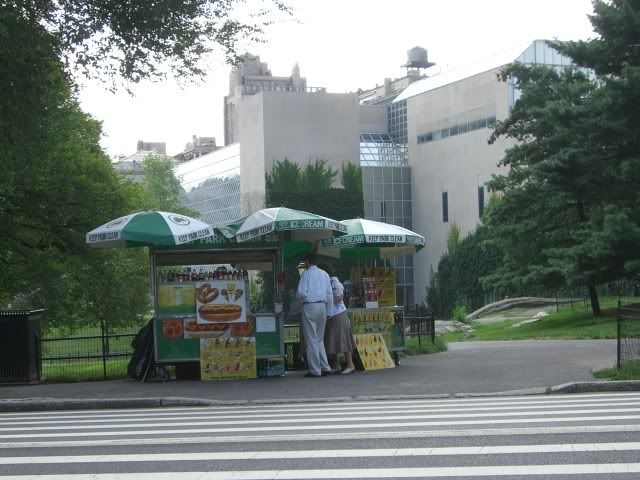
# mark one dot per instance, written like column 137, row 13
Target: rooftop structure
column 197, row 147
column 251, row 77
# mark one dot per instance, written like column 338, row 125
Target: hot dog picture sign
column 221, row 301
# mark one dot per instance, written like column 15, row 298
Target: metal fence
column 628, row 332
column 88, row 357
column 421, row 320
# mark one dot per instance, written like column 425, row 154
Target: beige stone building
column 423, row 147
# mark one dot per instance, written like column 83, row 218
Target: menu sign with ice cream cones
column 373, row 351
column 221, row 301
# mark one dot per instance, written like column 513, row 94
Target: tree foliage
column 288, row 176
column 162, row 189
column 284, row 175
column 134, row 40
column 570, row 211
column 453, row 238
column 57, row 184
column 351, row 177
column 317, row 176
column 457, row 282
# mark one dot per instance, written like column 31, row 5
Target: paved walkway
column 466, row 367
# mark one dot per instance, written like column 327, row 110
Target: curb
column 55, row 404
column 585, row 387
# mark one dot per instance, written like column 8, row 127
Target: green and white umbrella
column 149, row 228
column 308, row 226
column 371, row 240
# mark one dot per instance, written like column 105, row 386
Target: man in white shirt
column 314, row 289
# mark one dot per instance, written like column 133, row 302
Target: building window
column 445, row 207
column 480, row 200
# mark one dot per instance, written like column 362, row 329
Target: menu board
column 221, row 301
column 177, row 299
column 228, row 358
column 374, row 321
column 386, row 285
column 373, row 351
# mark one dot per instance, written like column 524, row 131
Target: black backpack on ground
column 142, row 359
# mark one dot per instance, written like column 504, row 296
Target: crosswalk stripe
column 319, row 406
column 325, row 427
column 480, row 432
column 344, row 453
column 428, row 472
column 241, row 415
column 190, row 423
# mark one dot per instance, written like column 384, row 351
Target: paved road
column 466, row 367
column 545, row 437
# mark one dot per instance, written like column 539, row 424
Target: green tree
column 284, row 176
column 162, row 187
column 458, row 280
column 453, row 238
column 57, row 184
column 317, row 176
column 555, row 181
column 135, row 39
column 351, row 177
column 570, row 213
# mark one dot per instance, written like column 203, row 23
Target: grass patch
column 83, row 370
column 568, row 323
column 629, row 371
column 425, row 346
column 67, row 355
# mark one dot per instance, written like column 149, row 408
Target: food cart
column 214, row 273
column 201, row 292
column 202, row 277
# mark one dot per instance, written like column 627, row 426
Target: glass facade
column 458, row 129
column 379, row 150
column 397, row 121
column 387, row 198
column 211, row 184
column 538, row 53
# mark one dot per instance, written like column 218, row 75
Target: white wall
column 301, row 127
column 250, row 114
column 306, row 127
column 373, row 119
column 456, row 165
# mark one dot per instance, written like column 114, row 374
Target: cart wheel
column 163, row 374
column 396, row 358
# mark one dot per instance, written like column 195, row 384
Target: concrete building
column 423, row 149
column 250, row 78
column 197, row 147
column 448, row 121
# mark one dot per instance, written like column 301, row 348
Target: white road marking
column 480, row 432
column 324, row 413
column 191, row 423
column 497, row 470
column 286, row 407
column 340, row 426
column 352, row 453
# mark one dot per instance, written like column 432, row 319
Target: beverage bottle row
column 203, row 275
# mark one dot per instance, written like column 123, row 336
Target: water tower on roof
column 417, row 58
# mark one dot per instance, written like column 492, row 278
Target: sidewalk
column 467, row 367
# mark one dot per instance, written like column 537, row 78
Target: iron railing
column 421, row 320
column 86, row 357
column 628, row 332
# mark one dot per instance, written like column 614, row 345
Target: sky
column 342, row 45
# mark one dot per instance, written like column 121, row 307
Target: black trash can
column 19, row 356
